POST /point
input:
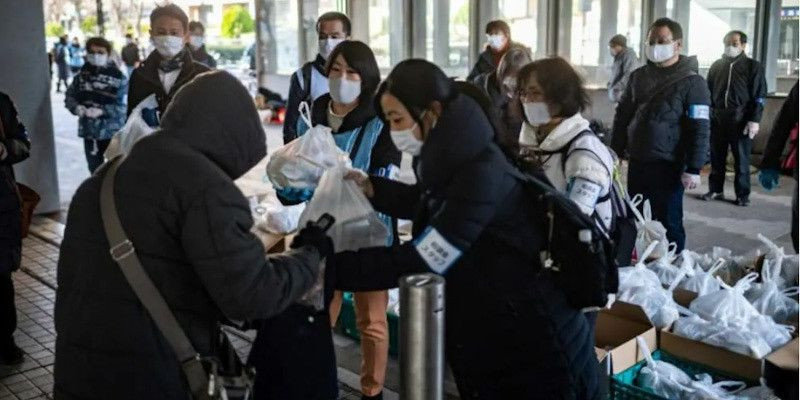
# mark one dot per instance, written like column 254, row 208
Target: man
column 662, row 123
column 498, row 40
column 61, row 57
column 97, row 96
column 130, row 54
column 171, row 65
column 75, row 56
column 738, row 89
column 624, row 63
column 310, row 81
column 197, row 43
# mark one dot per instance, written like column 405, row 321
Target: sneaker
column 11, row 354
column 743, row 201
column 712, row 196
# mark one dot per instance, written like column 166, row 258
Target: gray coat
column 624, row 63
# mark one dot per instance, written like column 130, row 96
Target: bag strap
column 659, row 89
column 124, row 254
column 306, row 72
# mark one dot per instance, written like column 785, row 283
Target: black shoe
column 743, row 201
column 712, row 196
column 378, row 396
column 11, row 354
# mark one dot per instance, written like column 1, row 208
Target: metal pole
column 422, row 337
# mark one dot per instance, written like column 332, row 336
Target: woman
column 348, row 110
column 498, row 41
column 510, row 333
column 501, row 87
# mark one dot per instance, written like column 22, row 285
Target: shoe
column 11, row 354
column 712, row 196
column 378, row 396
column 743, row 201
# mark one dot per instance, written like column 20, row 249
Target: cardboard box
column 683, row 297
column 615, row 335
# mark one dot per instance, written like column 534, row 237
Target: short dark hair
column 513, row 60
column 128, row 36
column 742, row 36
column 172, row 11
column 416, row 83
column 99, row 42
column 498, row 25
column 335, row 16
column 618, row 40
column 674, row 27
column 195, row 25
column 359, row 57
column 561, row 84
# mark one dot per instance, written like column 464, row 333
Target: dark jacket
column 15, row 140
column 130, row 54
column 190, row 226
column 201, row 55
column 737, row 85
column 484, row 64
column 674, row 125
column 145, row 81
column 787, row 119
column 300, row 92
column 510, row 333
column 510, row 120
column 98, row 87
column 624, row 63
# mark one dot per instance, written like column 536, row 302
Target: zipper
column 728, row 89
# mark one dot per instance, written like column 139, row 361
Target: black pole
column 101, row 19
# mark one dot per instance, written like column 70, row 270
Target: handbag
column 28, row 198
column 222, row 376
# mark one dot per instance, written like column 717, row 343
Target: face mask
column 660, row 52
column 344, row 91
column 496, row 41
column 196, row 41
column 98, row 60
column 167, row 45
column 536, row 112
column 326, row 46
column 733, row 51
column 406, row 142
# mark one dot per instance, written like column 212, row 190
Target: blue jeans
column 660, row 182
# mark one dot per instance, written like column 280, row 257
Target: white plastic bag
column 393, row 306
column 704, row 388
column 790, row 269
column 703, row 282
column 775, row 334
column 134, row 129
column 655, row 301
column 664, row 268
column 663, row 378
column 274, row 217
column 300, row 163
column 357, row 223
column 760, row 392
column 648, row 230
column 693, row 327
column 638, row 275
column 728, row 304
column 739, row 340
column 768, row 298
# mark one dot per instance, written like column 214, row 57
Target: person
column 61, row 56
column 130, row 54
column 501, row 87
column 662, row 123
column 97, row 96
column 785, row 129
column 470, row 203
column 14, row 148
column 191, row 229
column 498, row 38
column 310, row 82
column 76, row 54
column 197, row 37
column 625, row 62
column 349, row 111
column 738, row 89
column 168, row 68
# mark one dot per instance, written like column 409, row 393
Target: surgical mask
column 406, row 142
column 496, row 41
column 196, row 41
column 733, row 51
column 344, row 91
column 326, row 46
column 98, row 60
column 536, row 112
column 167, row 45
column 659, row 53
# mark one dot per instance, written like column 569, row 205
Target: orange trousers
column 370, row 310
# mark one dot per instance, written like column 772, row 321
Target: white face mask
column 326, row 46
column 496, row 41
column 167, row 45
column 536, row 112
column 733, row 51
column 98, row 60
column 344, row 91
column 196, row 41
column 406, row 142
column 660, row 52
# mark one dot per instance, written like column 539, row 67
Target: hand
column 94, row 112
column 690, row 181
column 768, row 179
column 80, row 111
column 312, row 235
column 751, row 129
column 362, row 180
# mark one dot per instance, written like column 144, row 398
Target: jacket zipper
column 728, row 89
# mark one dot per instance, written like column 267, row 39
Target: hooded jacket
column 484, row 64
column 190, row 226
column 145, row 81
column 98, row 87
column 624, row 63
column 14, row 140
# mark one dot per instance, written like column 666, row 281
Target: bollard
column 422, row 337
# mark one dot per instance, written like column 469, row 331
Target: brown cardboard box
column 683, row 297
column 615, row 335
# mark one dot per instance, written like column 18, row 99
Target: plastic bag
column 693, row 327
column 274, row 217
column 315, row 296
column 776, row 335
column 134, row 129
column 739, row 340
column 300, row 163
column 655, row 301
column 638, row 275
column 761, row 392
column 768, row 298
column 393, row 306
column 704, row 388
column 728, row 304
column 648, row 230
column 665, row 270
column 357, row 223
column 790, row 269
column 703, row 282
column 663, row 378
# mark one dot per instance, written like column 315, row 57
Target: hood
column 215, row 115
column 564, row 132
column 461, row 134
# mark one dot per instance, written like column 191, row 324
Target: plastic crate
column 623, row 384
column 347, row 323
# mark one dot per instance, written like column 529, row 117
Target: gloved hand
column 94, row 112
column 80, row 111
column 690, row 181
column 313, row 235
column 751, row 129
column 291, row 196
column 768, row 178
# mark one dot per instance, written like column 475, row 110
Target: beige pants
column 370, row 310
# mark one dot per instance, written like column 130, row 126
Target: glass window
column 787, row 63
column 286, row 34
column 379, row 34
column 312, row 9
column 528, row 21
column 447, row 35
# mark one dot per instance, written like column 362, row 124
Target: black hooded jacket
column 14, row 140
column 190, row 226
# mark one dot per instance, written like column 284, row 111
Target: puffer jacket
column 190, row 226
column 484, row 64
column 674, row 126
column 17, row 147
column 510, row 121
column 99, row 87
column 737, row 85
column 510, row 333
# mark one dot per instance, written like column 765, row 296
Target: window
column 528, row 21
column 787, row 62
column 312, row 9
column 285, row 30
column 379, row 32
column 447, row 35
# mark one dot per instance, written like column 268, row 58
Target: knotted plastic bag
column 776, row 335
column 728, row 304
column 703, row 282
column 760, row 392
column 787, row 265
column 272, row 216
column 704, row 388
column 693, row 327
column 663, row 378
column 648, row 230
column 666, row 270
column 655, row 301
column 357, row 223
column 739, row 340
column 134, row 129
column 639, row 275
column 768, row 298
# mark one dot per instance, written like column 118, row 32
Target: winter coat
column 98, row 87
column 145, row 80
column 674, row 126
column 190, row 226
column 76, row 54
column 509, row 332
column 624, row 63
column 738, row 89
column 130, row 54
column 781, row 130
column 307, row 84
column 17, row 146
column 510, row 121
column 201, row 55
column 484, row 64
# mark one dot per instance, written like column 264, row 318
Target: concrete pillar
column 441, row 32
column 24, row 76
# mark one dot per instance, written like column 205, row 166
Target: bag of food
column 272, row 216
column 141, row 122
column 661, row 377
column 704, row 388
column 648, row 229
column 768, row 298
column 703, row 282
column 656, row 302
column 739, row 340
column 664, row 268
column 639, row 275
column 728, row 304
column 776, row 335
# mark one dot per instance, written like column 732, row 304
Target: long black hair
column 359, row 57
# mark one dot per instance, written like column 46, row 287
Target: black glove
column 312, row 235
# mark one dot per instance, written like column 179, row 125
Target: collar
column 149, row 69
column 357, row 118
column 564, row 132
column 319, row 63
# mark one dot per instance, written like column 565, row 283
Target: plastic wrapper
column 789, row 270
column 704, row 388
column 639, row 274
column 760, row 392
column 648, row 230
column 728, row 304
column 703, row 282
column 663, row 378
column 393, row 306
column 768, row 298
column 666, row 270
column 357, row 223
column 739, row 340
column 134, row 129
column 693, row 327
column 775, row 334
column 656, row 302
column 272, row 216
column 315, row 296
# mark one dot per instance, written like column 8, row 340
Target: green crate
column 623, row 384
column 347, row 323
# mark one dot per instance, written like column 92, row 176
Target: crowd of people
column 511, row 330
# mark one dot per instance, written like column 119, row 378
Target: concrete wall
column 25, row 77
